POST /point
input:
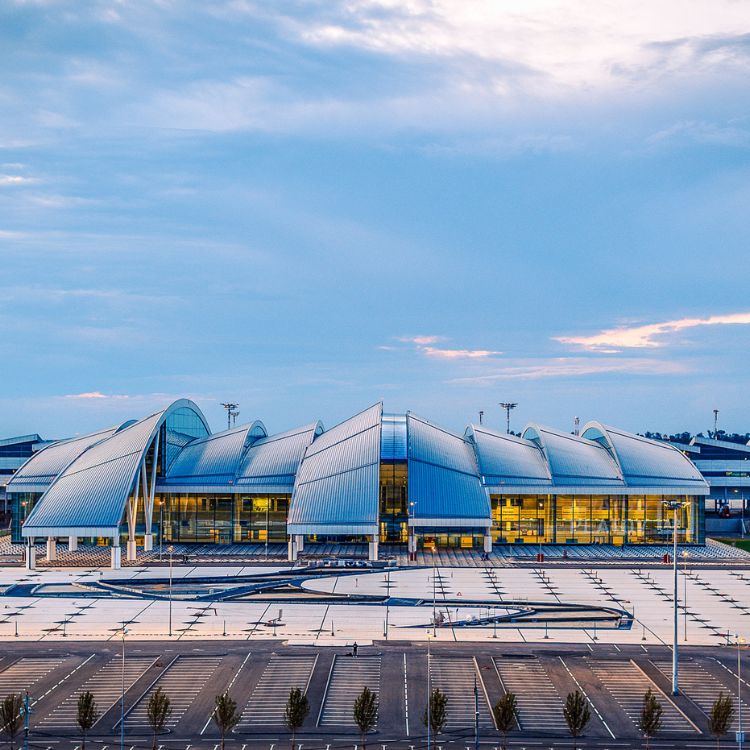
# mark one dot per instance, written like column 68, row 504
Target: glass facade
column 594, row 519
column 21, row 504
column 223, row 519
column 394, row 507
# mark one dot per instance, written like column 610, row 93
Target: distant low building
column 14, row 452
column 725, row 466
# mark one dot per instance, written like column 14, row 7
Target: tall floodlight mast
column 507, row 405
column 716, row 424
column 230, row 407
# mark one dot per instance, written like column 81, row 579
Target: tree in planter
column 10, row 715
column 437, row 715
column 577, row 715
column 225, row 715
column 87, row 714
column 297, row 708
column 505, row 715
column 365, row 712
column 720, row 718
column 158, row 711
column 650, row 720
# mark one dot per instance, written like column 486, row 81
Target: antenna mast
column 230, row 407
column 507, row 405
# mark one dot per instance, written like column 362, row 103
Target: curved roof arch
column 573, row 460
column 214, row 459
column 508, row 461
column 88, row 498
column 644, row 462
column 38, row 472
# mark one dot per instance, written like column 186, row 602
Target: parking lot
column 612, row 678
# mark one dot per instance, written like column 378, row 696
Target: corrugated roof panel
column 575, row 461
column 644, row 462
column 216, row 456
column 507, row 459
column 93, row 489
column 443, row 477
column 338, row 480
column 274, row 460
column 41, row 469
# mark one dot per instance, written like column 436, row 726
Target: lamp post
column 161, row 527
column 268, row 506
column 685, row 555
column 674, row 506
column 740, row 735
column 171, row 550
column 429, row 691
column 122, row 692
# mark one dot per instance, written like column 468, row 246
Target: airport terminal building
column 377, row 478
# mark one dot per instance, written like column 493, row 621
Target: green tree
column 225, row 715
column 650, row 720
column 721, row 717
column 296, row 711
column 87, row 714
column 158, row 711
column 365, row 712
column 10, row 715
column 577, row 715
column 437, row 715
column 505, row 715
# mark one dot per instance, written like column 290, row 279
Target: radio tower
column 507, row 405
column 230, row 407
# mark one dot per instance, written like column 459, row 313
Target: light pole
column 740, row 735
column 122, row 692
column 674, row 506
column 429, row 690
column 268, row 506
column 161, row 527
column 171, row 550
column 685, row 554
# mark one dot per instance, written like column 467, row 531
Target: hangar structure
column 375, row 478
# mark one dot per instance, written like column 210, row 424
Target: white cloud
column 92, row 395
column 647, row 336
column 572, row 367
column 16, row 179
column 425, row 345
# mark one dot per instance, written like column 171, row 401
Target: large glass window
column 524, row 519
column 393, row 501
column 261, row 518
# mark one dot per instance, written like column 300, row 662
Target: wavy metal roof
column 506, row 461
column 574, row 461
column 337, row 486
column 38, row 473
column 271, row 463
column 443, row 478
column 214, row 459
column 644, row 462
column 89, row 496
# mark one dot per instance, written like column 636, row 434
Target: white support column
column 300, row 541
column 148, row 498
column 373, row 548
column 72, row 543
column 132, row 515
column 115, row 555
column 51, row 549
column 30, row 554
column 487, row 541
column 292, row 549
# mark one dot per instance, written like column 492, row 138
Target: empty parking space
column 627, row 684
column 702, row 687
column 349, row 676
column 106, row 685
column 181, row 682
column 540, row 708
column 25, row 673
column 457, row 677
column 268, row 700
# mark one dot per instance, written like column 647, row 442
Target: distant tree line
column 686, row 437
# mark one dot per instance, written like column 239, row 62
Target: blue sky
column 306, row 207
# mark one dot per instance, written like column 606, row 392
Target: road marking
column 583, row 692
column 406, row 698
